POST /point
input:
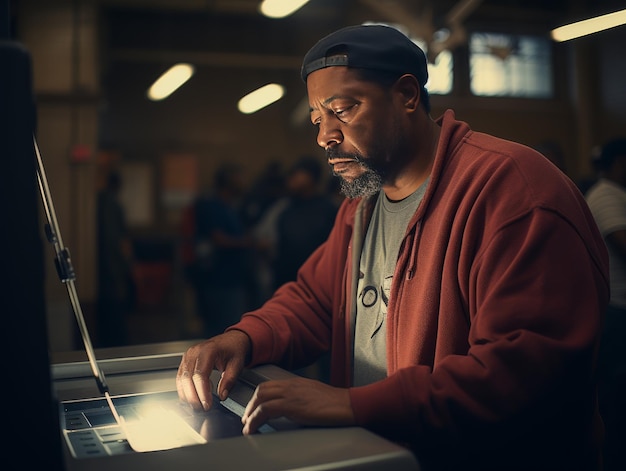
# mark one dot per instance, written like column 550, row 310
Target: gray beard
column 368, row 184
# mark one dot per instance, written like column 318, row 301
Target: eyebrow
column 328, row 100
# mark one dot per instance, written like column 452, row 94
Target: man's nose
column 328, row 134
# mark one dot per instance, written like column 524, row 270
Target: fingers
column 203, row 386
column 262, row 407
column 180, row 388
column 226, row 353
column 193, row 382
column 270, row 400
column 302, row 400
column 232, row 364
column 201, row 378
column 228, row 378
column 192, row 389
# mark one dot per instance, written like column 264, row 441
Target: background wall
column 94, row 59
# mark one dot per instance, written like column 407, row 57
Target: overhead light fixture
column 280, row 8
column 260, row 98
column 170, row 81
column 590, row 26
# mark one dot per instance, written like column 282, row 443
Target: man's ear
column 410, row 91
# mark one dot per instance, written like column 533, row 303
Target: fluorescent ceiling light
column 170, row 81
column 260, row 98
column 590, row 26
column 280, row 8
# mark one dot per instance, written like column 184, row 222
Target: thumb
column 228, row 379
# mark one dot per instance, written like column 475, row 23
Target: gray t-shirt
column 378, row 261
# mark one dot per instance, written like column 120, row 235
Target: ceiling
column 232, row 32
column 235, row 50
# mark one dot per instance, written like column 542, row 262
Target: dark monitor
column 30, row 411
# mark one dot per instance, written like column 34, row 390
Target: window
column 510, row 65
column 439, row 73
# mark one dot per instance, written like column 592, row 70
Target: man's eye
column 315, row 119
column 343, row 113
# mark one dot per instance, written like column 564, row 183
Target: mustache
column 336, row 154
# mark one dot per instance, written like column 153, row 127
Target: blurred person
column 293, row 228
column 266, row 236
column 449, row 291
column 258, row 207
column 587, row 181
column 268, row 188
column 296, row 224
column 607, row 200
column 221, row 271
column 305, row 220
column 116, row 285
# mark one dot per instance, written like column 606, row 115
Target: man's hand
column 301, row 400
column 226, row 353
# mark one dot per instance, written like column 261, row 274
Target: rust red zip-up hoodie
column 493, row 320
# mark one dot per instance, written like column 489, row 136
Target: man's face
column 358, row 126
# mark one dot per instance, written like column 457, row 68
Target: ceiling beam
column 211, row 59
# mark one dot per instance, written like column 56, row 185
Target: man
column 460, row 290
column 607, row 201
column 305, row 221
column 223, row 248
column 116, row 286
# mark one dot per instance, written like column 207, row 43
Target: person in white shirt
column 607, row 201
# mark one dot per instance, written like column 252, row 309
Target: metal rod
column 67, row 275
